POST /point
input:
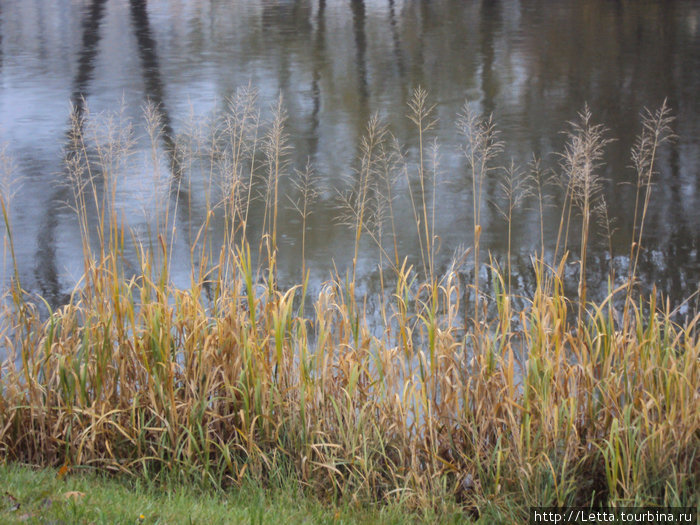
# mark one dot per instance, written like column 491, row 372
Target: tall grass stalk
column 275, row 148
column 9, row 185
column 309, row 188
column 514, row 187
column 656, row 130
column 481, row 147
column 580, row 162
column 421, row 114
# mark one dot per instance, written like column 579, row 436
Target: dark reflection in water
column 46, row 270
column 86, row 59
column 151, row 76
column 396, row 39
column 319, row 43
column 358, row 22
column 154, row 94
column 532, row 64
column 490, row 27
column 1, row 49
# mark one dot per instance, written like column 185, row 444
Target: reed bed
column 458, row 396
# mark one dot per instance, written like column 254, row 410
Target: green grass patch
column 43, row 496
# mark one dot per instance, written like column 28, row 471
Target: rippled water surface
column 533, row 64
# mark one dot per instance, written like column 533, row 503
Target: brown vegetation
column 231, row 379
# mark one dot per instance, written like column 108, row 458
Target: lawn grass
column 43, row 496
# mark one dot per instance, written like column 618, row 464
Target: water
column 533, row 64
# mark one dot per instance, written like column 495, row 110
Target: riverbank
column 452, row 393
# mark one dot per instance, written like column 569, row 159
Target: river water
column 532, row 63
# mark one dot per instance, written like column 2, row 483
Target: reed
column 481, row 148
column 310, row 188
column 231, row 380
column 581, row 161
column 514, row 186
column 656, row 130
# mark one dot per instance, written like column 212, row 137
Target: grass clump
column 494, row 407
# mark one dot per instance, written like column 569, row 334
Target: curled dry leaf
column 12, row 502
